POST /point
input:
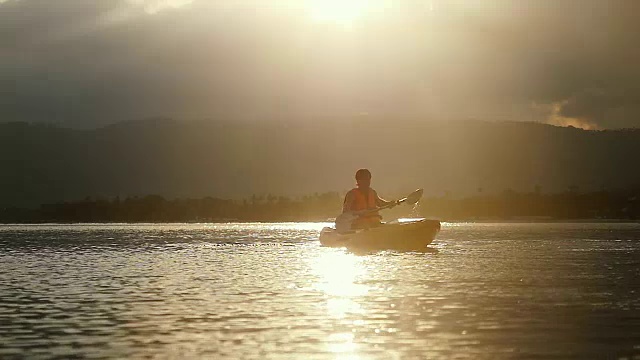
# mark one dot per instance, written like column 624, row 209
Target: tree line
column 508, row 205
column 155, row 208
column 512, row 205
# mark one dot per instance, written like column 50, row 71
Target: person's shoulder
column 375, row 194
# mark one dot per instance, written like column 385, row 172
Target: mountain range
column 237, row 159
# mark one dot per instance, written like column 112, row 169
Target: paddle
column 345, row 220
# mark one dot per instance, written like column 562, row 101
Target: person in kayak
column 364, row 197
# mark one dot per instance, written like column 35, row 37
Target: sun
column 340, row 12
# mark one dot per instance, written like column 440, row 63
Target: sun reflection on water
column 339, row 274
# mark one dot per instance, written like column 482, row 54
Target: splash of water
column 415, row 210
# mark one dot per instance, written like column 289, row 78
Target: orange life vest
column 364, row 201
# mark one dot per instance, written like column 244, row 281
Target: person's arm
column 348, row 202
column 382, row 202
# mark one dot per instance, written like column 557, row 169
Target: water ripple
column 270, row 291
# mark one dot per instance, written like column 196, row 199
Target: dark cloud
column 86, row 63
column 613, row 108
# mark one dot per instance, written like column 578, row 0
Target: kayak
column 404, row 235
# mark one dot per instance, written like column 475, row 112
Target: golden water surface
column 271, row 291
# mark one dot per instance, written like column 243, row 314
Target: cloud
column 554, row 116
column 36, row 22
column 87, row 63
column 595, row 108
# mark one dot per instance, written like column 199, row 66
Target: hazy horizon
column 361, row 119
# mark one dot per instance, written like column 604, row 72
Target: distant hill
column 40, row 164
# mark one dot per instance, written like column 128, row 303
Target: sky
column 87, row 64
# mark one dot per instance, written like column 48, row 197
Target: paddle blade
column 414, row 197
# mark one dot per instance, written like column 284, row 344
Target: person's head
column 363, row 178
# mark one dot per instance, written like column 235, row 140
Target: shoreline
column 457, row 221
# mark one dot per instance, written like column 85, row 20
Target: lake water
column 483, row 291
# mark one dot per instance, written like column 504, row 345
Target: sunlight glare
column 340, row 12
column 338, row 272
column 342, row 343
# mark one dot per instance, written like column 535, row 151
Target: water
column 485, row 291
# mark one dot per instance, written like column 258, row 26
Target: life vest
column 364, row 201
